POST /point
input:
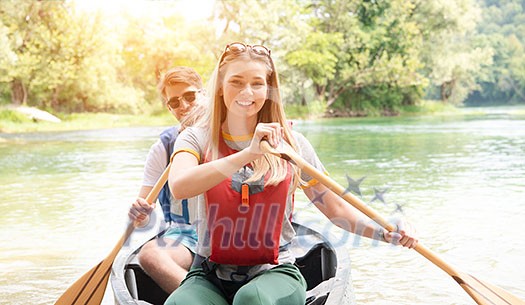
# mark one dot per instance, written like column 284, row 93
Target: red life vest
column 245, row 229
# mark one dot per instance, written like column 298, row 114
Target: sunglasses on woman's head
column 188, row 97
column 239, row 47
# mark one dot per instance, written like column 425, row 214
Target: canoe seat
column 142, row 287
column 317, row 266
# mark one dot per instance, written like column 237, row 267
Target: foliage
column 12, row 121
column 337, row 56
column 62, row 59
column 8, row 115
column 455, row 67
column 503, row 29
column 143, row 66
column 298, row 111
column 382, row 97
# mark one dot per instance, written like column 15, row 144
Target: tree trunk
column 320, row 90
column 515, row 88
column 443, row 92
column 330, row 101
column 303, row 94
column 446, row 90
column 18, row 92
column 334, row 94
column 54, row 99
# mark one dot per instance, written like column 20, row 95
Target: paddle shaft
column 372, row 214
column 89, row 289
column 481, row 292
column 152, row 195
column 356, row 202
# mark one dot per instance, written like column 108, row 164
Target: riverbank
column 14, row 122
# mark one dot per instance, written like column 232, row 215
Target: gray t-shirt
column 193, row 140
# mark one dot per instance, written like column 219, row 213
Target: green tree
column 503, row 29
column 17, row 59
column 365, row 47
column 452, row 53
column 332, row 47
column 149, row 51
column 278, row 25
column 62, row 59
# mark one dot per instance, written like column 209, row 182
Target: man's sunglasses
column 188, row 97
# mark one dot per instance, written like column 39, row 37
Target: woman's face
column 244, row 88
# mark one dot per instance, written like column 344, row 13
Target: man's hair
column 176, row 75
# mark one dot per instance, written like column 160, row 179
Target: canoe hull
column 325, row 267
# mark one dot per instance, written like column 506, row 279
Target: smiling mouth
column 244, row 103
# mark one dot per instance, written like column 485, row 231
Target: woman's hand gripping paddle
column 90, row 288
column 483, row 293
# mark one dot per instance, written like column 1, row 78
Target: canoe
column 324, row 264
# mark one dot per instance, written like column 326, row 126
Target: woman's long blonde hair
column 272, row 111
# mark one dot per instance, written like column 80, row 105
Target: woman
column 245, row 214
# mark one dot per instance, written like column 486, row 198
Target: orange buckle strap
column 245, row 195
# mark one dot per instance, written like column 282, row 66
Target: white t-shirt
column 156, row 163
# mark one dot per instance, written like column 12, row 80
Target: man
column 168, row 258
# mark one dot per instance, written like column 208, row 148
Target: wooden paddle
column 482, row 292
column 90, row 288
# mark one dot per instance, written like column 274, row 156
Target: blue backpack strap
column 164, row 199
column 185, row 217
column 167, row 137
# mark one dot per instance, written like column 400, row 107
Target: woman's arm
column 188, row 178
column 345, row 216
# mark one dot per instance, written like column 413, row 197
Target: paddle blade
column 90, row 288
column 486, row 294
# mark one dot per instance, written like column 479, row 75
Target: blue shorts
column 184, row 234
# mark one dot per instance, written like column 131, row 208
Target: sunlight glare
column 191, row 10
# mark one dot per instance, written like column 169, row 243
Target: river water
column 459, row 179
